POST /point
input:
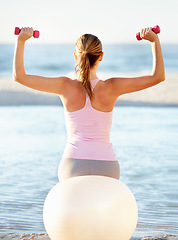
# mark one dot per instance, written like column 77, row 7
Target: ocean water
column 56, row 60
column 32, row 140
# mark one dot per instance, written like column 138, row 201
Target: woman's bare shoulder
column 73, row 84
column 112, row 88
column 108, row 84
column 70, row 82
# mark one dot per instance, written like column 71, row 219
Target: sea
column 33, row 137
column 56, row 60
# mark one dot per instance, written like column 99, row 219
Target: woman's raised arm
column 45, row 84
column 121, row 86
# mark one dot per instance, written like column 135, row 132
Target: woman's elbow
column 17, row 78
column 160, row 78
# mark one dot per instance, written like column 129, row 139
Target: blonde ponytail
column 88, row 48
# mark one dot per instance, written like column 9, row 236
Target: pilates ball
column 90, row 207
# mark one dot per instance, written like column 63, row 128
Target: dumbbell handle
column 156, row 29
column 35, row 33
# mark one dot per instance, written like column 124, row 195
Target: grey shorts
column 72, row 167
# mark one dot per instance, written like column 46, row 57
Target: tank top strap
column 93, row 84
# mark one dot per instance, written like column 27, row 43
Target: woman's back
column 74, row 98
column 88, row 130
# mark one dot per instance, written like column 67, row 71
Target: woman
column 88, row 103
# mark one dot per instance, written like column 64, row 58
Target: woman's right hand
column 148, row 34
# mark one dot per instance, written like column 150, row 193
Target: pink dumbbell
column 156, row 29
column 35, row 33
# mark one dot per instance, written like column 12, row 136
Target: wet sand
column 43, row 236
column 162, row 94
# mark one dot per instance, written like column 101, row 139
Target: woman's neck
column 93, row 74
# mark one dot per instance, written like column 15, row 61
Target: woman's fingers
column 148, row 34
column 144, row 31
column 26, row 29
column 31, row 30
column 25, row 33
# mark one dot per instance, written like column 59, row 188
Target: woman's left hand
column 25, row 34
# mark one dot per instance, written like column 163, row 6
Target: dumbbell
column 35, row 33
column 156, row 29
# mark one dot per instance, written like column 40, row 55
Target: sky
column 112, row 21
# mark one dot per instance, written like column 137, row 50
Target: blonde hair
column 88, row 47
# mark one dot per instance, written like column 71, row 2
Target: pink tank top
column 88, row 132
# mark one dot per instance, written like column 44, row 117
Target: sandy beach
column 44, row 236
column 163, row 94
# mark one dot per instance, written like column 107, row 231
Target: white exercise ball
column 90, row 207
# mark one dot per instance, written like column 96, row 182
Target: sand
column 162, row 94
column 44, row 236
